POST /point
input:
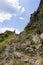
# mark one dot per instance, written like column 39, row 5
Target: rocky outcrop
column 36, row 20
column 27, row 47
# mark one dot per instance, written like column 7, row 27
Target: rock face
column 36, row 19
column 27, row 47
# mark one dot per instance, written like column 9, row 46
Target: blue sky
column 15, row 14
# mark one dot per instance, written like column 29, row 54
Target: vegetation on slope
column 34, row 28
column 4, row 41
column 17, row 62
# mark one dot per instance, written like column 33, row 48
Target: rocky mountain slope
column 27, row 47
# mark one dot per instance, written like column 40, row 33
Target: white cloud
column 10, row 8
column 23, row 9
column 14, row 3
column 21, row 18
column 2, row 30
column 4, row 16
column 17, row 31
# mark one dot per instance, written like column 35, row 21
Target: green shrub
column 17, row 62
column 42, row 61
column 27, row 27
column 35, row 13
column 32, row 27
column 2, row 46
